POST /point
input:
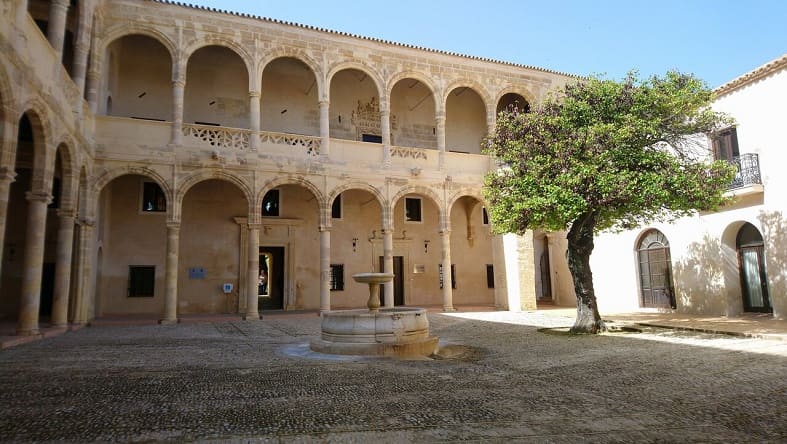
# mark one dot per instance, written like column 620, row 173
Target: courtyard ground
column 500, row 380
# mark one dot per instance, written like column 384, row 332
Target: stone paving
column 502, row 381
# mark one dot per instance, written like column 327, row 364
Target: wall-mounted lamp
column 212, row 102
column 426, row 246
column 340, row 119
column 355, row 242
column 142, row 95
column 283, row 111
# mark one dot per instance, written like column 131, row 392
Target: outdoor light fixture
column 142, row 95
column 355, row 242
column 426, row 246
column 211, row 102
column 283, row 111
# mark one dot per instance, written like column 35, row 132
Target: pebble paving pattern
column 506, row 381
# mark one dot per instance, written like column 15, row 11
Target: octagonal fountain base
column 394, row 332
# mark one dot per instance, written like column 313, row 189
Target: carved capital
column 38, row 196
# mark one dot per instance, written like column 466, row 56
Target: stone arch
column 108, row 176
column 7, row 124
column 357, row 185
column 396, row 78
column 125, row 29
column 301, row 56
column 279, row 181
column 199, row 43
column 474, row 193
column 520, row 90
column 420, row 190
column 360, row 66
column 68, row 165
column 208, row 174
column 479, row 89
column 43, row 159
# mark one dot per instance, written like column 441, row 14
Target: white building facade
column 726, row 262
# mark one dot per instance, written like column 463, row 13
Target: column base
column 449, row 309
column 169, row 321
column 252, row 317
column 30, row 332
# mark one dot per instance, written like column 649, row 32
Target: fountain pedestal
column 400, row 331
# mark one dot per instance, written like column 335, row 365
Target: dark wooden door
column 398, row 280
column 47, row 289
column 271, row 288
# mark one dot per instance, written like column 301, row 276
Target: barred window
column 337, row 277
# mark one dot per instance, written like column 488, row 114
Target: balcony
column 747, row 179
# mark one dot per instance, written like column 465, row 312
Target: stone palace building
column 164, row 159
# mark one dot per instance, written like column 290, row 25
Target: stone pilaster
column 325, row 269
column 65, row 242
column 253, row 273
column 56, row 30
column 445, row 258
column 325, row 129
column 33, row 263
column 388, row 287
column 171, row 274
column 254, row 120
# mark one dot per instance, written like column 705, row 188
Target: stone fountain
column 396, row 332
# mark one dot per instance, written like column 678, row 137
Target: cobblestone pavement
column 504, row 381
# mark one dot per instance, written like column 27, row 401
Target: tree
column 605, row 155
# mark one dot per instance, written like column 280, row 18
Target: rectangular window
column 412, row 209
column 153, row 199
column 484, row 216
column 453, row 275
column 337, row 277
column 336, row 208
column 371, row 138
column 270, row 204
column 725, row 144
column 141, row 280
column 490, row 276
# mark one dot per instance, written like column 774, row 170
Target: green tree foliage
column 601, row 154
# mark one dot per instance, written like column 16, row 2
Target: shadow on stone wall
column 774, row 233
column 699, row 278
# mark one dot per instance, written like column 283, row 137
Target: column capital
column 445, row 232
column 86, row 222
column 254, row 225
column 324, row 227
column 38, row 196
column 173, row 225
column 7, row 174
column 254, row 94
column 179, row 83
column 242, row 221
column 324, row 103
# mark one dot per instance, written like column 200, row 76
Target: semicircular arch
column 213, row 173
column 473, row 193
column 360, row 66
column 281, row 181
column 126, row 29
column 518, row 90
column 476, row 87
column 421, row 191
column 357, row 185
column 415, row 75
column 212, row 40
column 292, row 53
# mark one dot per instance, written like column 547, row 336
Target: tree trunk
column 580, row 245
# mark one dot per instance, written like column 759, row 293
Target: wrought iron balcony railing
column 748, row 171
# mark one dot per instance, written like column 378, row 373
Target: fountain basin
column 398, row 332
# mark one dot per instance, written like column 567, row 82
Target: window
column 412, row 209
column 655, row 271
column 337, row 277
column 453, row 275
column 141, row 280
column 484, row 216
column 270, row 204
column 336, row 208
column 371, row 138
column 153, row 198
column 725, row 144
column 490, row 276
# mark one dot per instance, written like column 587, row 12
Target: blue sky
column 717, row 40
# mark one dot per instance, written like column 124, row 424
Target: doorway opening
column 271, row 278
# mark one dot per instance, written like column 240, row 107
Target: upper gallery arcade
column 153, row 152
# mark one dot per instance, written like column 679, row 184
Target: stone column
column 33, row 263
column 92, row 82
column 84, row 270
column 6, row 178
column 448, row 293
column 252, row 284
column 440, row 130
column 243, row 262
column 56, row 30
column 65, row 243
column 491, row 122
column 325, row 128
column 325, row 269
column 21, row 13
column 178, row 89
column 254, row 120
column 171, row 275
column 385, row 130
column 388, row 287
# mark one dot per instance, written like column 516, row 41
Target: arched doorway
column 655, row 271
column 751, row 263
